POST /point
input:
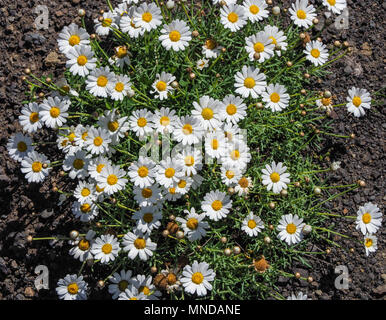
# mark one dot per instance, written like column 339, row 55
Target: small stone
column 52, row 58
column 29, row 292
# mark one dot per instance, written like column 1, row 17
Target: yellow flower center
column 230, row 174
column 102, row 81
column 34, row 117
column 37, row 166
column 249, row 83
column 192, row 223
column 141, row 122
column 368, row 242
column 207, row 113
column 146, row 291
column 119, row 87
column 98, row 189
column 174, row 36
column 315, row 53
column 182, row 184
column 301, row 14
column 78, row 164
column 147, row 193
column 82, row 60
column 254, row 9
column 326, row 101
column 85, row 192
column 54, row 112
column 98, row 141
column 169, row 172
column 189, row 161
column 233, row 17
column 84, row 245
column 148, row 217
column 112, row 179
column 214, row 144
column 22, row 146
column 85, row 208
column 71, row 136
column 107, row 22
column 244, row 183
column 107, row 248
column 74, row 40
column 172, row 190
column 113, row 126
column 121, row 52
column 172, row 279
column 331, row 2
column 100, row 167
column 357, row 101
column 140, row 243
column 291, row 228
column 164, row 121
column 147, row 17
column 72, row 288
column 187, row 129
column 251, row 224
column 259, row 47
column 275, row 98
column 366, row 218
column 275, row 177
column 274, row 41
column 231, row 109
column 122, row 285
column 210, row 44
column 216, row 205
column 143, row 172
column 235, row 154
column 197, row 277
column 161, row 85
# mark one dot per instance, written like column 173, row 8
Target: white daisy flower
column 196, row 278
column 215, row 144
column 96, row 165
column 216, row 205
column 148, row 218
column 169, row 171
column 171, row 194
column 202, row 63
column 230, row 175
column 147, row 16
column 211, row 49
column 231, row 131
column 19, row 146
column 100, row 82
column 144, row 285
column 120, row 11
column 29, row 118
column 299, row 296
column 119, row 283
column 121, row 87
column 121, row 57
column 275, row 177
column 162, row 85
column 237, row 154
column 316, row 52
column 85, row 212
column 128, row 26
column 114, row 124
column 85, row 192
column 290, row 228
column 188, row 130
column 131, row 293
column 102, row 28
column 259, row 43
column 142, row 172
column 207, row 111
column 64, row 89
column 233, row 109
column 80, row 60
column 141, row 122
column 370, row 243
column 252, row 225
column 233, row 17
column 82, row 246
column 336, row 6
column 276, row 97
column 53, row 111
column 183, row 186
column 66, row 141
column 357, row 101
column 191, row 159
column 72, row 36
column 250, row 82
column 193, row 225
column 147, row 196
column 77, row 164
column 164, row 120
column 111, row 179
column 105, row 248
column 324, row 104
column 278, row 38
column 72, row 287
column 243, row 186
column 369, row 218
column 255, row 10
column 175, row 35
column 97, row 141
column 33, row 167
column 138, row 243
column 302, row 14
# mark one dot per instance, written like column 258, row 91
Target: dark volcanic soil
column 34, row 210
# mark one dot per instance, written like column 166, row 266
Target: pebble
column 29, row 292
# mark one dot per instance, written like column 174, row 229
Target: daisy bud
column 153, row 269
column 159, row 142
column 259, row 105
column 48, row 79
column 27, row 70
column 227, row 252
column 93, row 36
column 101, row 283
column 170, row 4
column 337, row 43
column 289, row 63
column 165, row 233
column 172, row 217
column 81, row 12
column 272, row 205
column 98, row 224
column 192, row 76
column 55, row 189
column 346, row 44
column 218, row 75
column 236, row 250
column 276, row 11
column 175, row 84
column 23, row 78
column 231, row 190
column 303, row 113
column 29, row 238
column 297, row 275
column 307, row 179
column 361, row 183
column 223, row 3
column 271, row 227
column 302, row 35
column 113, row 200
column 352, row 250
column 303, row 91
column 315, row 21
column 284, row 193
column 297, row 184
column 269, row 2
column 130, row 92
column 307, row 75
column 256, row 56
column 41, row 94
column 310, row 279
column 224, row 50
column 195, row 33
column 319, row 39
column 224, row 239
column 328, row 250
column 352, row 136
column 100, row 19
column 317, row 131
column 327, row 94
column 301, row 106
column 307, row 229
column 62, row 173
column 101, row 11
column 74, row 234
column 199, row 247
column 267, row 240
column 180, row 234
